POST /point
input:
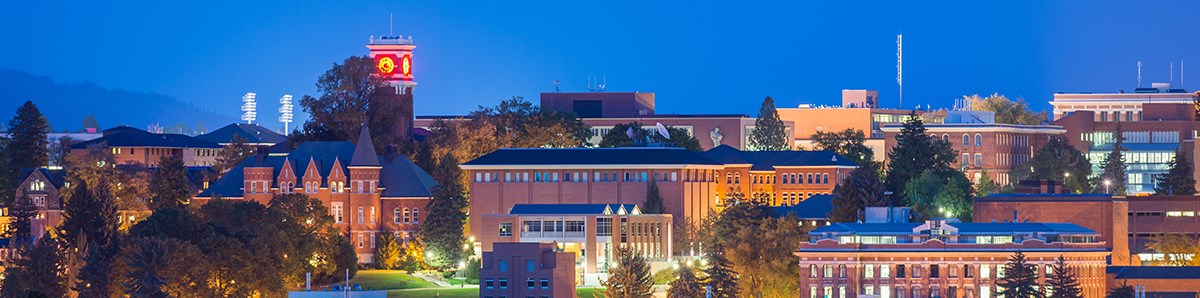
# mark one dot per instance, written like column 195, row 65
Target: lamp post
column 1107, row 188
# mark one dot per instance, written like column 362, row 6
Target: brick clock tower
column 394, row 62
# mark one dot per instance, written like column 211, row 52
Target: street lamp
column 1107, row 183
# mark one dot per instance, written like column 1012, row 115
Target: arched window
column 407, row 219
column 978, row 140
column 416, row 216
column 825, row 178
column 810, row 179
column 946, row 138
column 966, row 140
column 396, row 215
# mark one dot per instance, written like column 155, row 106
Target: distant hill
column 66, row 104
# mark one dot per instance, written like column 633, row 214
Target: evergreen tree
column 654, row 202
column 1179, row 180
column 442, row 230
column 986, row 186
column 1062, row 282
column 1112, row 178
column 232, row 154
column 720, row 275
column 90, row 122
column 769, row 131
column 685, row 284
column 1058, row 160
column 1019, row 279
column 387, row 250
column 21, row 230
column 147, row 260
column 424, row 157
column 37, row 271
column 630, row 278
column 915, row 152
column 169, row 187
column 29, row 130
column 90, row 217
column 1122, row 291
column 471, row 273
column 860, row 190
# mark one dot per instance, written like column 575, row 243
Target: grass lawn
column 388, row 280
column 589, row 292
column 473, row 292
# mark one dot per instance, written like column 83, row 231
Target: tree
column 58, row 151
column 850, row 143
column 953, row 201
column 915, row 152
column 350, row 95
column 1179, row 180
column 1112, row 176
column 160, row 267
column 90, row 223
column 442, row 230
column 38, row 271
column 986, row 186
column 762, row 254
column 1020, row 278
column 1062, row 282
column 1007, row 111
column 29, row 130
column 1177, row 249
column 618, row 136
column 630, row 278
column 654, row 202
column 720, row 275
column 860, row 190
column 769, row 131
column 1058, row 160
column 387, row 250
column 232, row 154
column 169, row 187
column 685, row 284
column 90, row 122
column 21, row 230
column 471, row 273
column 1122, row 291
column 520, row 124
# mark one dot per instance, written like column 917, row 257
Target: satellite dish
column 662, row 130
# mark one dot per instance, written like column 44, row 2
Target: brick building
column 527, row 270
column 130, row 145
column 859, row 111
column 940, row 258
column 983, row 144
column 1158, row 282
column 589, row 231
column 365, row 192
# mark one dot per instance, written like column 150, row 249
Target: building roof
column 815, row 207
column 963, row 228
column 364, row 150
column 769, row 160
column 399, row 176
column 574, row 209
column 56, row 177
column 1154, row 272
column 591, row 156
column 125, row 136
column 251, row 133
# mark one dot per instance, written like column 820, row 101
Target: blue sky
column 697, row 56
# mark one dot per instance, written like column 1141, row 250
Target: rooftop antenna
column 1139, row 73
column 601, row 87
column 900, row 66
column 1171, row 79
column 556, row 90
column 390, row 18
column 1180, row 73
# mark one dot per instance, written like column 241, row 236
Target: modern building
column 941, row 258
column 1154, row 122
column 130, row 145
column 983, row 144
column 366, row 192
column 525, row 269
column 859, row 111
column 591, row 232
column 251, row 134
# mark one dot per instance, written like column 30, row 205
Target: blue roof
column 768, row 160
column 252, row 133
column 591, row 156
column 1154, row 272
column 580, row 209
column 131, row 137
column 963, row 228
column 815, row 207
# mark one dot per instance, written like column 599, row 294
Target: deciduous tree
column 1058, row 160
column 630, row 278
column 231, row 155
column 1007, row 111
column 1177, row 249
column 618, row 136
column 850, row 143
column 762, row 254
column 39, row 270
column 1179, row 180
column 769, row 131
column 350, row 95
column 685, row 284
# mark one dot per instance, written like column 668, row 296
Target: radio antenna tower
column 249, row 108
column 285, row 112
column 900, row 66
column 1139, row 74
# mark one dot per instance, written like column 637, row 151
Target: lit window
column 396, row 215
column 505, row 229
column 978, row 140
column 415, row 216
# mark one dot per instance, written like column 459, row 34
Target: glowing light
column 386, row 65
column 406, row 65
column 249, row 108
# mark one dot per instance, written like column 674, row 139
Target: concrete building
column 366, row 192
column 527, row 270
column 130, row 145
column 984, row 145
column 940, row 258
column 859, row 111
column 591, row 232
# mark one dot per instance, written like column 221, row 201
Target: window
column 979, row 140
column 825, row 178
column 967, row 271
column 529, row 266
column 336, row 210
column 372, row 239
column 899, row 271
column 869, row 271
column 360, row 215
column 407, row 216
column 530, row 283
column 360, row 239
column 545, row 283
column 812, row 271
column 978, row 159
column 502, row 265
column 396, row 215
column 966, row 140
column 916, row 271
column 505, row 229
column 503, row 281
column 603, row 226
column 885, row 271
column 966, row 159
column 372, row 214
column 416, row 216
column 841, row 271
column 828, row 271
column 985, row 271
column 810, row 178
column 933, row 271
column 489, row 283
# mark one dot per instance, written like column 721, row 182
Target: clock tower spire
column 393, row 56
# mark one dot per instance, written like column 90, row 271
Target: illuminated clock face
column 406, row 65
column 386, row 65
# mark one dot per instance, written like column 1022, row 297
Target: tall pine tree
column 442, row 230
column 862, row 189
column 769, row 131
column 720, row 275
column 169, row 187
column 685, row 284
column 1124, row 290
column 1112, row 177
column 1062, row 282
column 1179, row 180
column 21, row 230
column 90, row 221
column 1020, row 278
column 914, row 153
column 37, row 271
column 30, row 145
column 654, row 202
column 630, row 278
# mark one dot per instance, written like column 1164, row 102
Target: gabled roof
column 364, row 150
column 401, row 177
column 56, row 177
column 591, row 156
column 131, row 137
column 573, row 209
column 769, row 160
column 815, row 207
column 252, row 133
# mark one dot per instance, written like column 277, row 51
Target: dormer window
column 37, row 185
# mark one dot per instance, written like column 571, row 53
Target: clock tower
column 393, row 56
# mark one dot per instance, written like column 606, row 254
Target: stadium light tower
column 249, row 108
column 285, row 112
